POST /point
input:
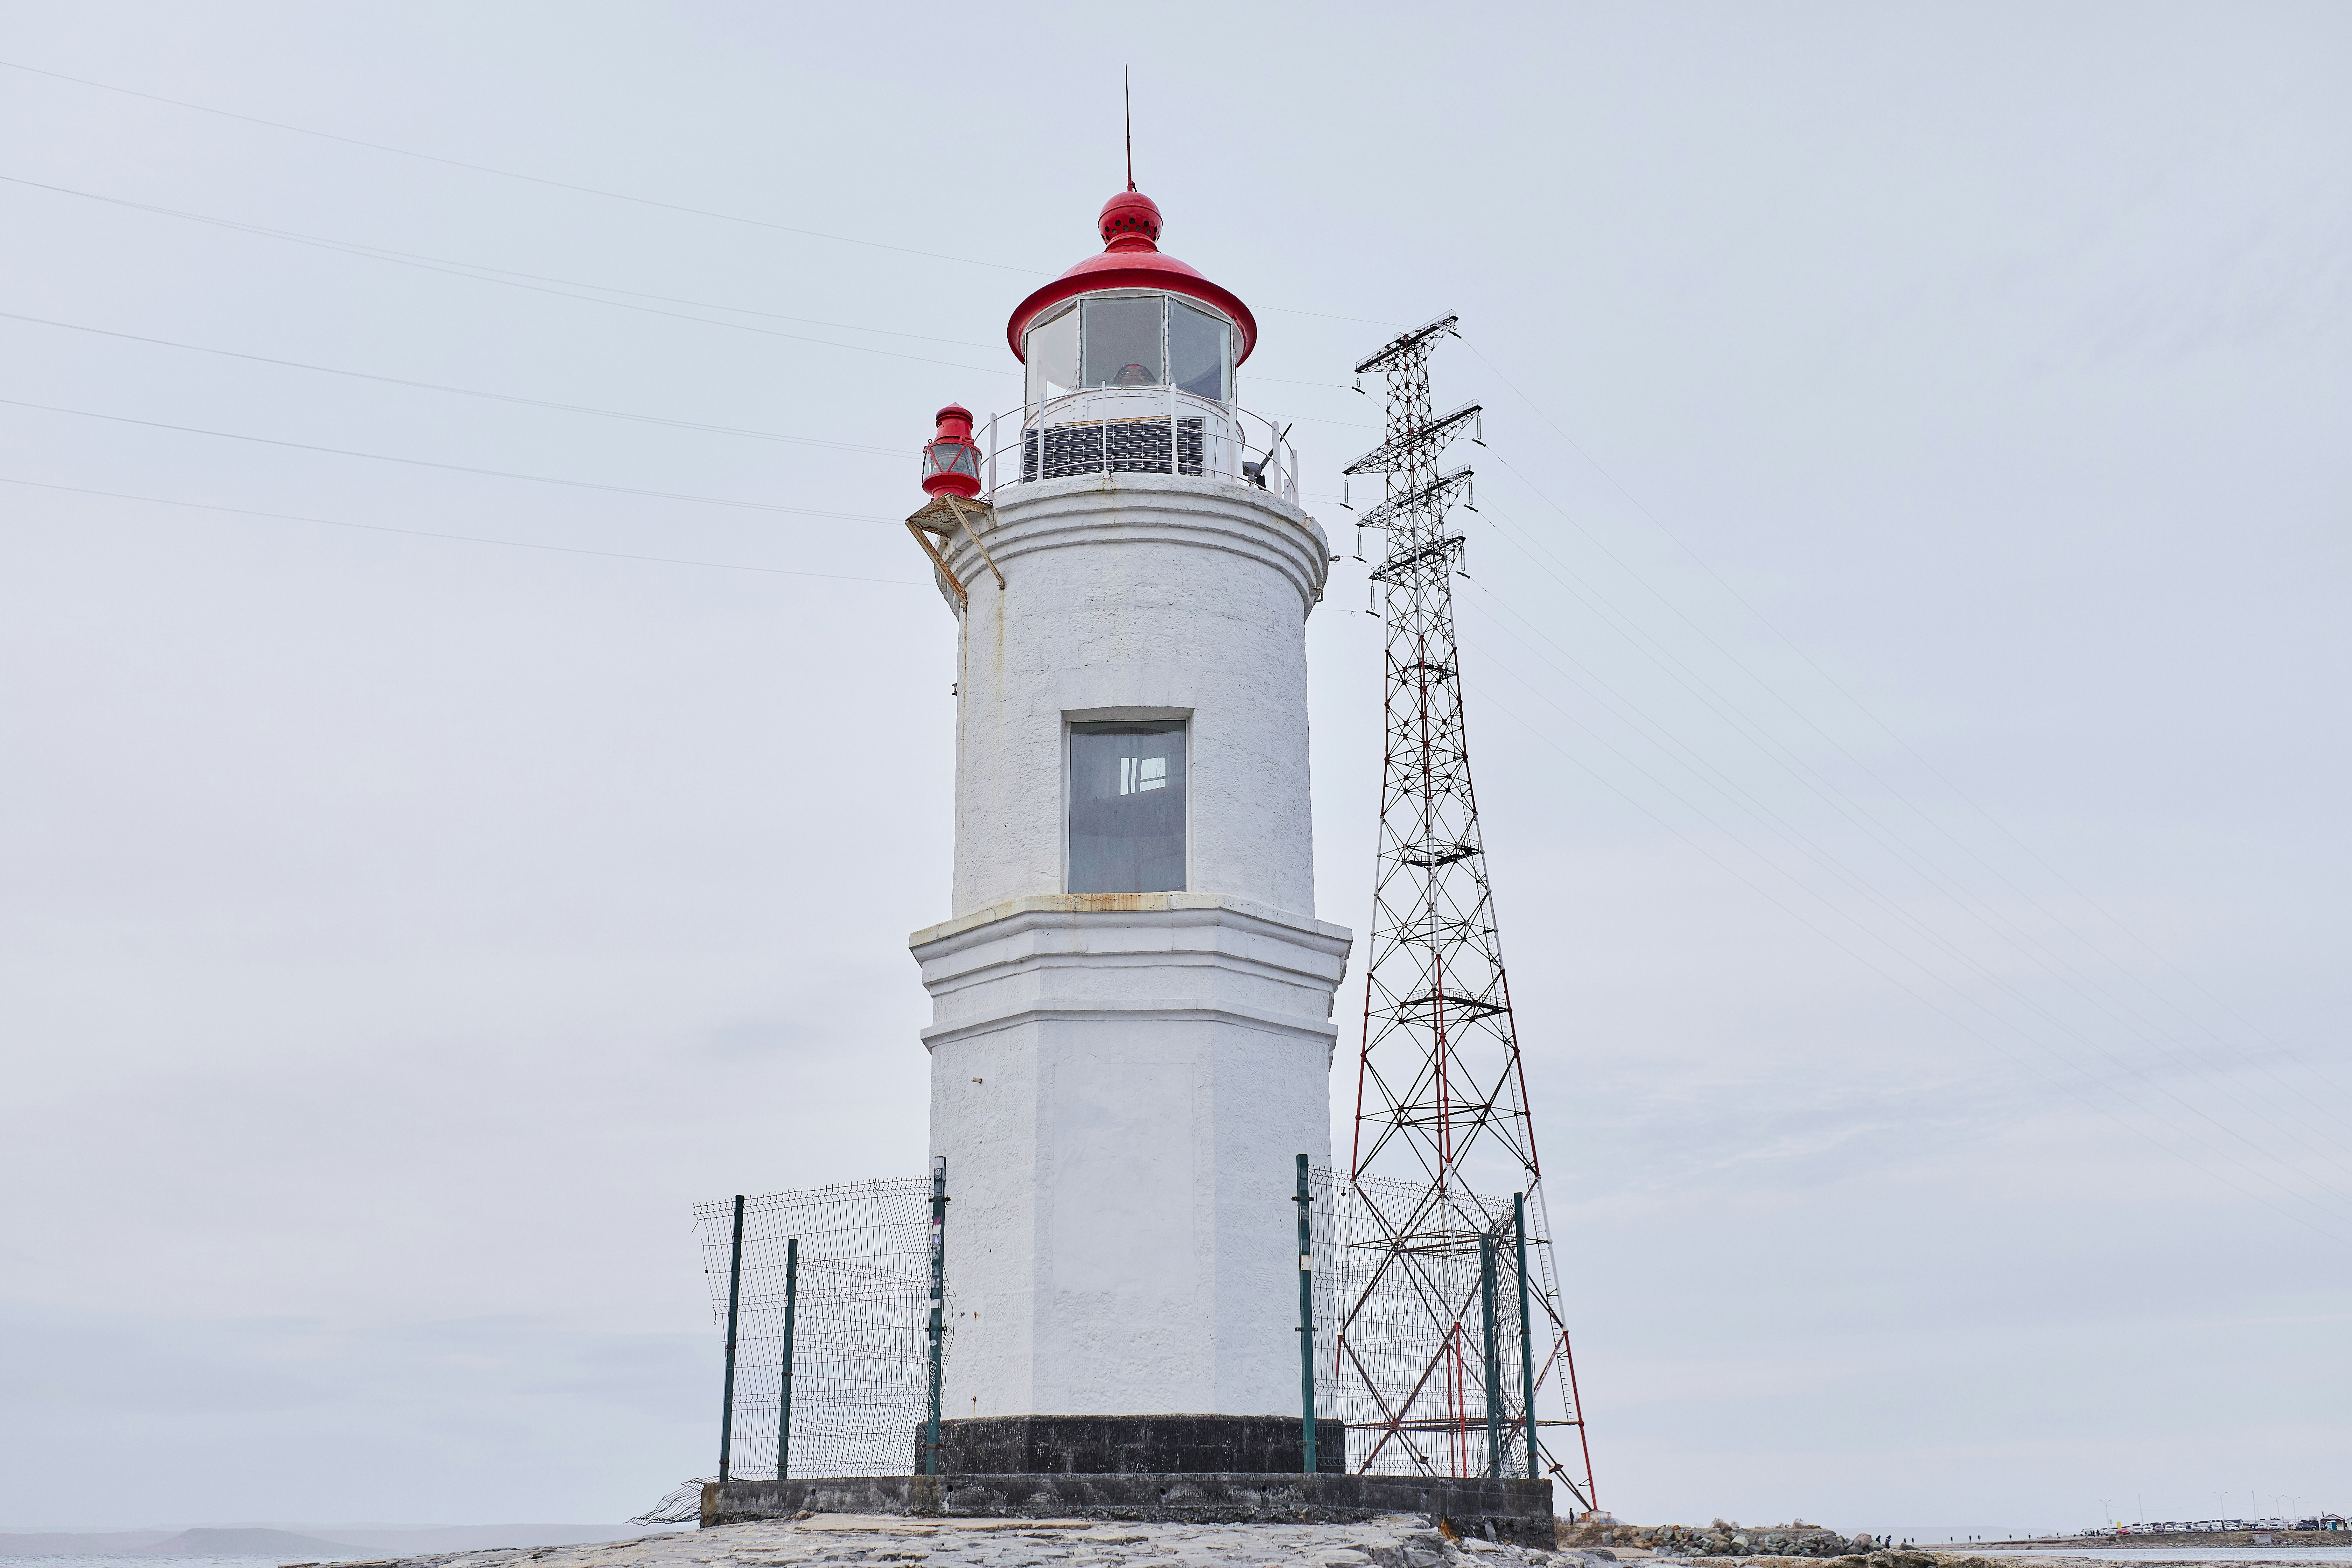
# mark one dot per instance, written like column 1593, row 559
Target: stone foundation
column 1513, row 1510
column 1113, row 1444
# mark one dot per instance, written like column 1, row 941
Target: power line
column 451, row 467
column 481, row 274
column 464, row 391
column 593, row 190
column 514, row 174
column 463, row 538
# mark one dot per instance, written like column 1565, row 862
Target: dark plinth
column 1116, row 1444
column 1517, row 1510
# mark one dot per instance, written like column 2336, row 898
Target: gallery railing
column 1140, row 430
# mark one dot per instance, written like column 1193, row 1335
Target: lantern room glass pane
column 1123, row 342
column 1051, row 351
column 1196, row 351
column 1127, row 807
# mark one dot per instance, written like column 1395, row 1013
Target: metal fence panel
column 1400, row 1333
column 858, row 1354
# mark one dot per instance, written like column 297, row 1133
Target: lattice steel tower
column 1442, row 1135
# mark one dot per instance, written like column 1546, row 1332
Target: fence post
column 784, row 1399
column 1305, row 1320
column 1527, row 1341
column 938, row 1303
column 734, row 1298
column 1494, row 1366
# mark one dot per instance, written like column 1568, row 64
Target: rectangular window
column 1052, row 347
column 1196, row 351
column 1122, row 341
column 1127, row 807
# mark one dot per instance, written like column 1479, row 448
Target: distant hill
column 78, row 1542
column 245, row 1543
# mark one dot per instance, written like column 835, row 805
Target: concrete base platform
column 1507, row 1510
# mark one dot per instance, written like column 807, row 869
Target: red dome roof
column 1129, row 225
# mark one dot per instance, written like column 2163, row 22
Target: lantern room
column 1129, row 361
column 1129, row 338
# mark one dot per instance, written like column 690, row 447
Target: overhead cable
column 587, row 190
column 484, row 274
column 514, row 174
column 462, row 538
column 463, row 391
column 450, row 468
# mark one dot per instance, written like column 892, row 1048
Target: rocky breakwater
column 1723, row 1539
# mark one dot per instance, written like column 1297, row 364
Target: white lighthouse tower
column 1131, row 1038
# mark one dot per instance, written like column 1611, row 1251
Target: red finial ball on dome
column 1130, row 217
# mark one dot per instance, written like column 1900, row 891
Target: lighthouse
column 1131, row 1037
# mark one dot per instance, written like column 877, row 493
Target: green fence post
column 1305, row 1320
column 734, row 1298
column 784, row 1399
column 938, row 1304
column 1493, row 1366
column 1526, row 1340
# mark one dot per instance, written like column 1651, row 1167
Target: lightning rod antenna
column 1127, row 98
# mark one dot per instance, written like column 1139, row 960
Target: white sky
column 1906, row 650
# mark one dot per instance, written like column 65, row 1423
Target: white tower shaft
column 1121, row 1081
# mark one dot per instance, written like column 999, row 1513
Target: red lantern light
column 950, row 458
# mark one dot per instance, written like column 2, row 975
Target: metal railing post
column 938, row 1303
column 1306, row 1321
column 734, row 1299
column 784, row 1398
column 1493, row 1366
column 1526, row 1342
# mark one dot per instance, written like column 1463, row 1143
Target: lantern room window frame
column 1039, row 353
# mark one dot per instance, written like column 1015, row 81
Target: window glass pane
column 1123, row 341
column 1127, row 807
column 1052, row 351
column 1196, row 351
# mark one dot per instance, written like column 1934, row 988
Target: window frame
column 1071, row 719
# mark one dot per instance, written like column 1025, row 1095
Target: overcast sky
column 1906, row 649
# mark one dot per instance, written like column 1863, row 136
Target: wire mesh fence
column 1419, row 1346
column 859, row 1322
